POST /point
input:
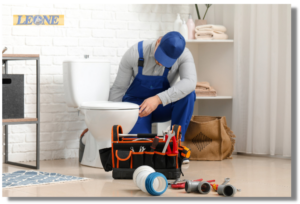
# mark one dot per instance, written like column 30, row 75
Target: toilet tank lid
column 86, row 61
column 108, row 105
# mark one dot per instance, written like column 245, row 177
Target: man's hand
column 149, row 105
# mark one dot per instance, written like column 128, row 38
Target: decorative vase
column 200, row 22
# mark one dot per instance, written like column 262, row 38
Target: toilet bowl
column 99, row 117
column 86, row 86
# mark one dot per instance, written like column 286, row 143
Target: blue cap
column 170, row 48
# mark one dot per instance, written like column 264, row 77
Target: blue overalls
column 143, row 87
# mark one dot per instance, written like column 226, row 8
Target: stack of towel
column 210, row 32
column 204, row 89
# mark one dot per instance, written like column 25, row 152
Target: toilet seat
column 108, row 105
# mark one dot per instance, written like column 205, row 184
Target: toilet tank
column 86, row 80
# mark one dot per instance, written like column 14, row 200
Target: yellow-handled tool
column 185, row 152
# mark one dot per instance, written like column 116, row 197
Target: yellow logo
column 52, row 20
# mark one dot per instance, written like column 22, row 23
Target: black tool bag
column 123, row 161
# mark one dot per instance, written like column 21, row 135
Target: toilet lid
column 108, row 105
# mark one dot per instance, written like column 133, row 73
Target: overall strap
column 141, row 57
column 166, row 72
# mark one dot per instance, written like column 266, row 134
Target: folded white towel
column 210, row 35
column 210, row 27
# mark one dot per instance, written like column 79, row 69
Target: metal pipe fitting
column 204, row 187
column 226, row 190
column 191, row 186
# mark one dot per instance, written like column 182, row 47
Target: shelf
column 22, row 121
column 210, row 41
column 20, row 56
column 213, row 97
column 19, row 121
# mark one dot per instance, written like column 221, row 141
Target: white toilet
column 86, row 87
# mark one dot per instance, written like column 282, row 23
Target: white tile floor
column 255, row 176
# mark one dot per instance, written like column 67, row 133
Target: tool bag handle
column 146, row 135
column 117, row 129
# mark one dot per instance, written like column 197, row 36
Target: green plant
column 207, row 7
column 198, row 14
column 199, row 17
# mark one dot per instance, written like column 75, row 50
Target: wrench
column 226, row 181
column 142, row 148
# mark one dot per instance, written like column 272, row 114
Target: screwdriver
column 154, row 144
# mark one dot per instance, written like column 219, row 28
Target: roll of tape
column 156, row 190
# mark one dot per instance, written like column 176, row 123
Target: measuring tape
column 186, row 152
column 149, row 181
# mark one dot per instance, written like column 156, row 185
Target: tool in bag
column 185, row 152
column 142, row 149
column 154, row 144
column 174, row 149
column 168, row 138
column 122, row 160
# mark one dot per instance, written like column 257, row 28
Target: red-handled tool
column 168, row 147
column 175, row 150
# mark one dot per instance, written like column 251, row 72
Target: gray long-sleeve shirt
column 184, row 67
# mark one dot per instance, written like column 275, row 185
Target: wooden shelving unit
column 213, row 97
column 214, row 64
column 19, row 121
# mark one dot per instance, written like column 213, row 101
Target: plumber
column 147, row 76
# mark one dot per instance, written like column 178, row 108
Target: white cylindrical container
column 149, row 181
column 191, row 28
column 184, row 30
column 177, row 23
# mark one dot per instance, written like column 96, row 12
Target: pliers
column 175, row 151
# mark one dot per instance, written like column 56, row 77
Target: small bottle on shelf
column 177, row 23
column 184, row 30
column 191, row 28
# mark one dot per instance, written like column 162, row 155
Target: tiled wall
column 101, row 31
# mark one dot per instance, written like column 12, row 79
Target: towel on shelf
column 210, row 27
column 204, row 89
column 210, row 35
column 202, row 93
column 202, row 85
